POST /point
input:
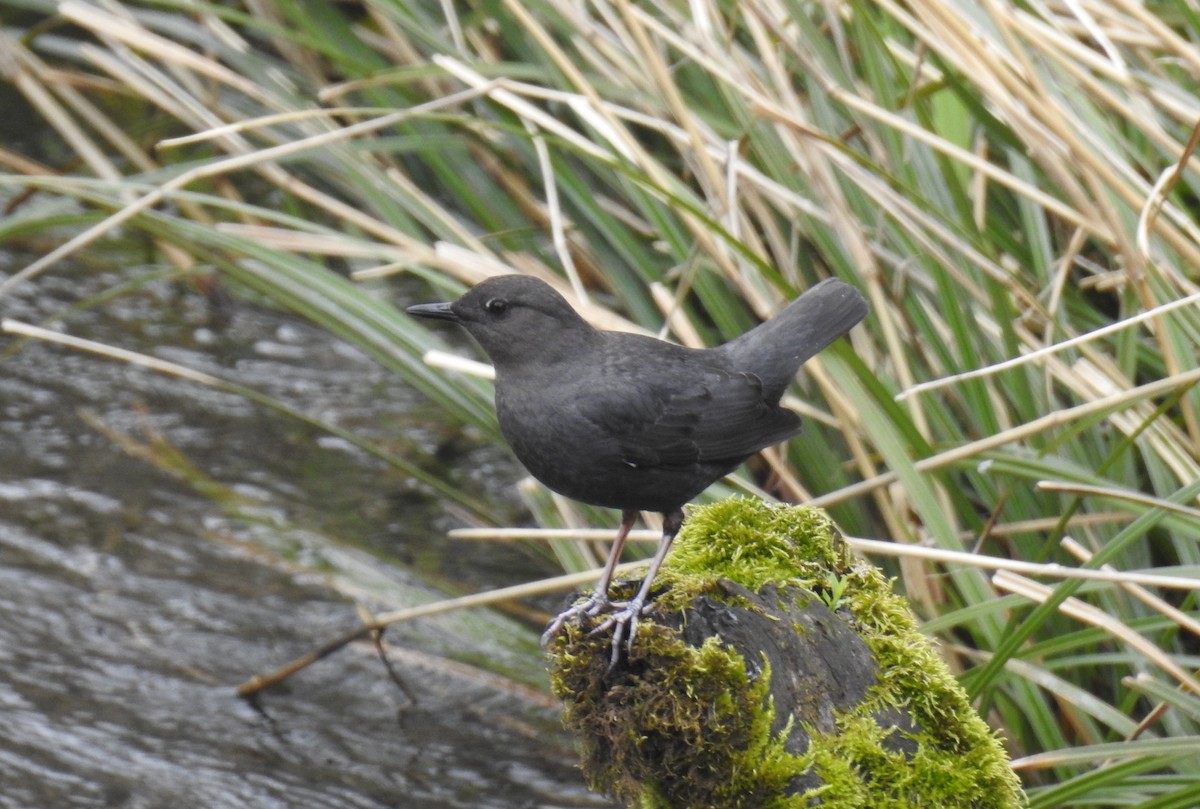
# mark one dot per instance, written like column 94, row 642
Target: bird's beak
column 435, row 311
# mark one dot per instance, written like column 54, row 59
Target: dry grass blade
column 1092, row 616
column 113, row 352
column 383, row 620
column 1011, row 185
column 1138, row 591
column 1150, row 315
column 263, row 159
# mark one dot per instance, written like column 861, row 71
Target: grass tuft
column 1012, row 185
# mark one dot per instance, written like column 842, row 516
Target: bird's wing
column 713, row 415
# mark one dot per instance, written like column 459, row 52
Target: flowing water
column 140, row 585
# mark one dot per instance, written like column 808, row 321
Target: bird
column 631, row 422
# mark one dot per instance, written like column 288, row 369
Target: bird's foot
column 623, row 623
column 592, row 605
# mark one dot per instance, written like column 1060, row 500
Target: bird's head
column 515, row 319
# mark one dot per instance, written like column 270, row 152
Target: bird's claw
column 592, row 605
column 623, row 623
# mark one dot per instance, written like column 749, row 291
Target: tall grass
column 1013, row 186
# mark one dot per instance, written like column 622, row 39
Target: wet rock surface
column 132, row 604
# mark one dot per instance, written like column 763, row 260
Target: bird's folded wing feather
column 715, row 415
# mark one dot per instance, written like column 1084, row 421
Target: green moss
column 959, row 761
column 684, row 721
column 754, row 544
column 694, row 724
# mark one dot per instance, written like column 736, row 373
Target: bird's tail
column 775, row 350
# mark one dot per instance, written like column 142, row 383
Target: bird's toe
column 591, row 606
column 624, row 623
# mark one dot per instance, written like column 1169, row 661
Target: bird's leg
column 598, row 600
column 625, row 620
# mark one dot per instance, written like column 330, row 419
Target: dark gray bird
column 634, row 423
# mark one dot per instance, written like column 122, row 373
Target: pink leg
column 626, row 620
column 598, row 600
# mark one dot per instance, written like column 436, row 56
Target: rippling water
column 131, row 604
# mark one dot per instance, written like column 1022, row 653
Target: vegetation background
column 1012, row 185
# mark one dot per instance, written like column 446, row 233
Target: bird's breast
column 572, row 455
column 545, row 430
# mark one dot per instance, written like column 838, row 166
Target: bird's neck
column 550, row 358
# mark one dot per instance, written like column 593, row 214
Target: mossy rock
column 772, row 671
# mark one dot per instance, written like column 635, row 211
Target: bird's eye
column 497, row 306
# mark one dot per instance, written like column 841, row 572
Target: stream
column 161, row 542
